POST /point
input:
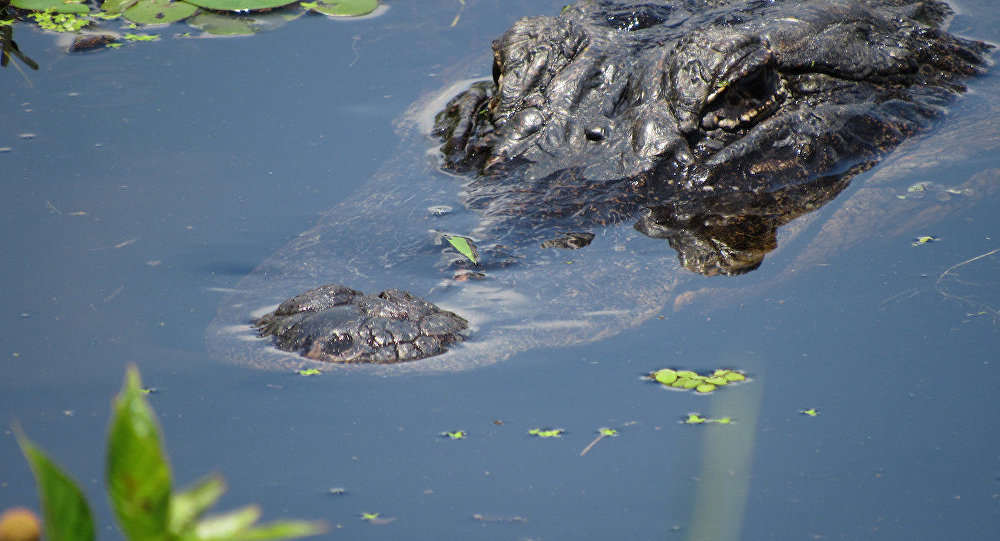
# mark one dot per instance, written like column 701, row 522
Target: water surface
column 141, row 183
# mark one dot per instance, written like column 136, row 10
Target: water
column 160, row 174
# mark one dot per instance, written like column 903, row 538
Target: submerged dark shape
column 711, row 122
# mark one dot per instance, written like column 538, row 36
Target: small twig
column 592, row 444
column 937, row 283
column 454, row 21
column 912, row 293
column 950, row 271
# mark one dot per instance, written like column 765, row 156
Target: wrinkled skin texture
column 338, row 324
column 709, row 123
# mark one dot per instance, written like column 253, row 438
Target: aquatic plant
column 686, row 379
column 217, row 17
column 140, row 488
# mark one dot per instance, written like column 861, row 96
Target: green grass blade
column 66, row 514
column 189, row 504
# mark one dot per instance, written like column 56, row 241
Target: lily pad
column 342, row 8
column 159, row 11
column 116, row 6
column 59, row 6
column 218, row 24
column 221, row 25
column 240, row 5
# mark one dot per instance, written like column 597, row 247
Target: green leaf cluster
column 73, row 15
column 59, row 22
column 140, row 488
column 546, row 433
column 686, row 379
column 456, row 435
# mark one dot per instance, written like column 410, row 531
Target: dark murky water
column 159, row 174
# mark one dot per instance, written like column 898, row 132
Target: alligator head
column 711, row 122
column 697, row 107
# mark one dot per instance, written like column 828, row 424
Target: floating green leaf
column 665, row 376
column 65, row 511
column 141, row 37
column 456, row 435
column 810, row 412
column 308, row 372
column 343, row 8
column 607, row 432
column 695, row 419
column 734, row 376
column 926, row 239
column 705, row 387
column 159, row 11
column 686, row 383
column 547, row 433
column 465, row 246
column 369, row 516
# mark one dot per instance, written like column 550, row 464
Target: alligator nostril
column 595, row 134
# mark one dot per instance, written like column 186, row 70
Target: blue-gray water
column 159, row 174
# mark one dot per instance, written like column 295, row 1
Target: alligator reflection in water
column 731, row 233
column 710, row 122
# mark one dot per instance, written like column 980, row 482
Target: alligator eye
column 744, row 101
column 496, row 71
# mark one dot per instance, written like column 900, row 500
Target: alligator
column 708, row 123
